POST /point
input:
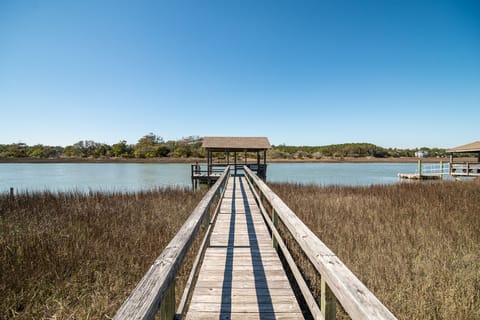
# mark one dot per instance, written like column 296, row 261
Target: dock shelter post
column 235, row 164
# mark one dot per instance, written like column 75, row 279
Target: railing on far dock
column 465, row 169
column 337, row 281
column 198, row 170
column 440, row 168
column 156, row 290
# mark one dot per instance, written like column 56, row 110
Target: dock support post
column 441, row 169
column 450, row 166
column 11, row 193
column 264, row 165
column 327, row 301
column 419, row 170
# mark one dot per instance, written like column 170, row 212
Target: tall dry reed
column 76, row 256
column 415, row 246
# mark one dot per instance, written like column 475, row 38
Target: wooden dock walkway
column 237, row 272
column 241, row 276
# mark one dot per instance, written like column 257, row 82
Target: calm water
column 134, row 177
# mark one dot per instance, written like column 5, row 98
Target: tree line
column 351, row 150
column 154, row 146
column 148, row 146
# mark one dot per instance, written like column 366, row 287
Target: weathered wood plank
column 244, row 316
column 244, row 277
column 214, row 291
column 277, row 284
column 241, row 273
column 243, row 299
column 277, row 307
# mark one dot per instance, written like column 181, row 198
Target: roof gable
column 236, row 143
column 471, row 147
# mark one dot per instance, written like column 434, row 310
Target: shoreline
column 203, row 160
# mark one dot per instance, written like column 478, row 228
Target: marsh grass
column 415, row 246
column 77, row 256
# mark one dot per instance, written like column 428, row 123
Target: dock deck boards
column 241, row 276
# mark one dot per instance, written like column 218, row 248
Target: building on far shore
column 421, row 154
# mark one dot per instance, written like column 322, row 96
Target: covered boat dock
column 465, row 168
column 225, row 151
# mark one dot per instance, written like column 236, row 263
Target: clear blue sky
column 394, row 73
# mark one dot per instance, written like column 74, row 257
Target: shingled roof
column 471, row 147
column 236, row 143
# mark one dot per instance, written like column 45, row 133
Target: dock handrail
column 156, row 290
column 336, row 278
column 465, row 168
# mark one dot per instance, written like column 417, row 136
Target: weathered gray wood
column 278, row 307
column 245, row 316
column 144, row 301
column 243, row 299
column 252, row 285
column 240, row 246
column 352, row 294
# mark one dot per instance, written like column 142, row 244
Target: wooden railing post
column 167, row 306
column 275, row 224
column 328, row 301
column 206, row 218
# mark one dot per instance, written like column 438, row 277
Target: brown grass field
column 74, row 256
column 416, row 246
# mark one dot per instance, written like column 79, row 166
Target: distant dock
column 434, row 172
column 416, row 176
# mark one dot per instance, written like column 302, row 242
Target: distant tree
column 182, row 149
column 149, row 146
column 41, row 151
column 14, row 150
column 87, row 148
column 121, row 149
column 188, row 147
